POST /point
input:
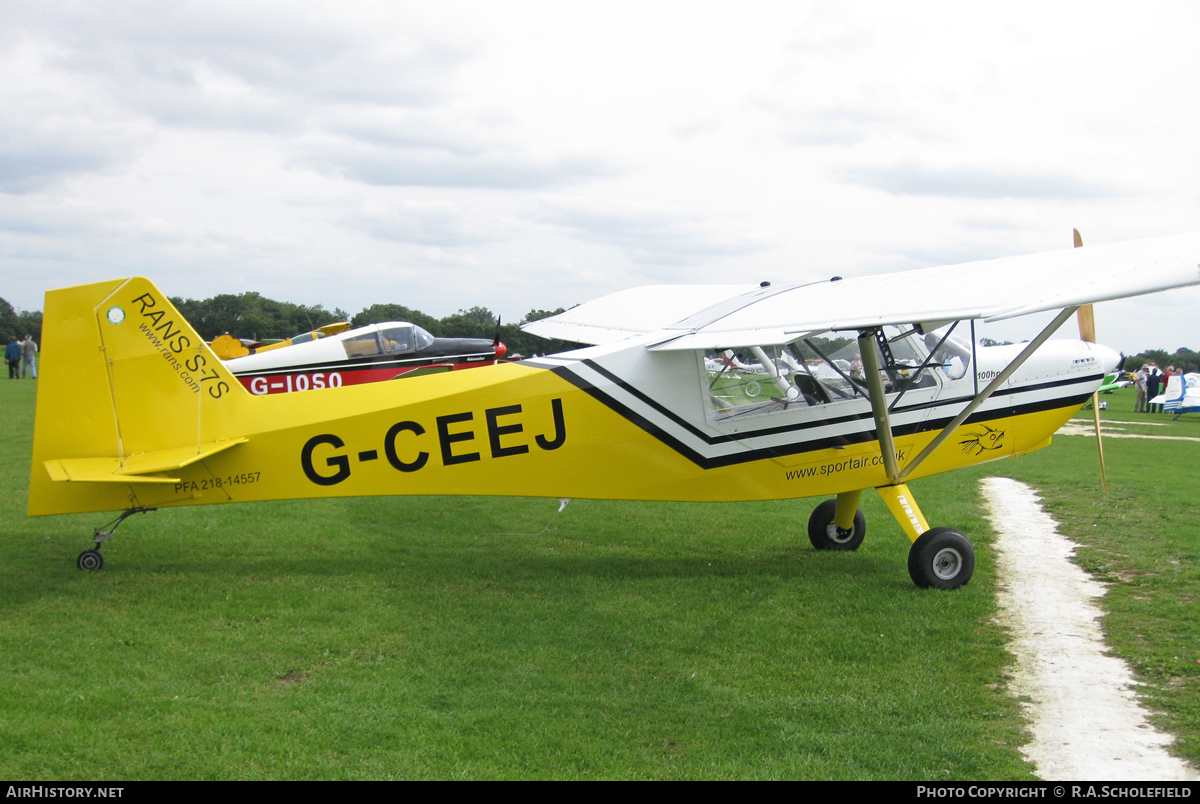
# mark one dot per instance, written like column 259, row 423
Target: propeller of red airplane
column 501, row 349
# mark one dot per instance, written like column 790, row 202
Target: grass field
column 407, row 638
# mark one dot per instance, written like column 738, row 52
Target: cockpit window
column 824, row 371
column 760, row 379
column 364, row 345
column 904, row 360
column 397, row 339
column 951, row 354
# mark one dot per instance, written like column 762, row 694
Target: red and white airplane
column 372, row 353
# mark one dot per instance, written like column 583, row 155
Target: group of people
column 1150, row 381
column 21, row 357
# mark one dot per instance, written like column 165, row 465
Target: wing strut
column 883, row 425
column 971, row 407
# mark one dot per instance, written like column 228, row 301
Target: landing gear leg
column 941, row 558
column 91, row 559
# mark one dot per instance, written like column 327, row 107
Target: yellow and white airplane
column 135, row 413
column 228, row 347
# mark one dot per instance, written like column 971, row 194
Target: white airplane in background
column 1182, row 395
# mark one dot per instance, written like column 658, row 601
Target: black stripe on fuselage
column 811, row 445
column 769, row 431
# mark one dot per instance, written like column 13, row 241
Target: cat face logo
column 985, row 440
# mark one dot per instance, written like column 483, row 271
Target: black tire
column 824, row 535
column 941, row 558
column 90, row 560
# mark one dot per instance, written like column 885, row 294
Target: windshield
column 424, row 339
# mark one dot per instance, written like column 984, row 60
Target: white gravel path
column 1074, row 428
column 1086, row 720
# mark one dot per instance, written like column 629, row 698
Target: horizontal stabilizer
column 135, row 468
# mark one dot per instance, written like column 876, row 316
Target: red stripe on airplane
column 264, row 384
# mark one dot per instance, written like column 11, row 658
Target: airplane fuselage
column 375, row 353
column 609, row 422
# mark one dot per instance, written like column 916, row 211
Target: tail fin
column 127, row 391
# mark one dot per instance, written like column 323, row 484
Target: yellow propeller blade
column 1087, row 332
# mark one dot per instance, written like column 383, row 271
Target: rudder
column 123, row 375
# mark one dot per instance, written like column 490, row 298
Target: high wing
column 731, row 316
column 636, row 311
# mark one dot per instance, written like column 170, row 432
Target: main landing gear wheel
column 825, row 535
column 941, row 558
column 90, row 560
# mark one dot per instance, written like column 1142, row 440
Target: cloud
column 831, row 29
column 495, row 165
column 647, row 236
column 439, row 224
column 55, row 129
column 35, row 154
column 836, row 126
column 418, row 129
column 439, row 148
column 372, row 104
column 53, row 220
column 268, row 66
column 912, row 179
column 692, row 125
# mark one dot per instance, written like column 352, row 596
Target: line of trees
column 251, row 315
column 1183, row 359
column 18, row 324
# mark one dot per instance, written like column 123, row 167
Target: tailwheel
column 90, row 560
column 824, row 533
column 941, row 558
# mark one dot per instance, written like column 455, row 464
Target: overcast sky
column 537, row 155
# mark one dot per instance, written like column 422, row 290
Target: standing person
column 28, row 357
column 1153, row 380
column 1139, row 382
column 12, row 356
